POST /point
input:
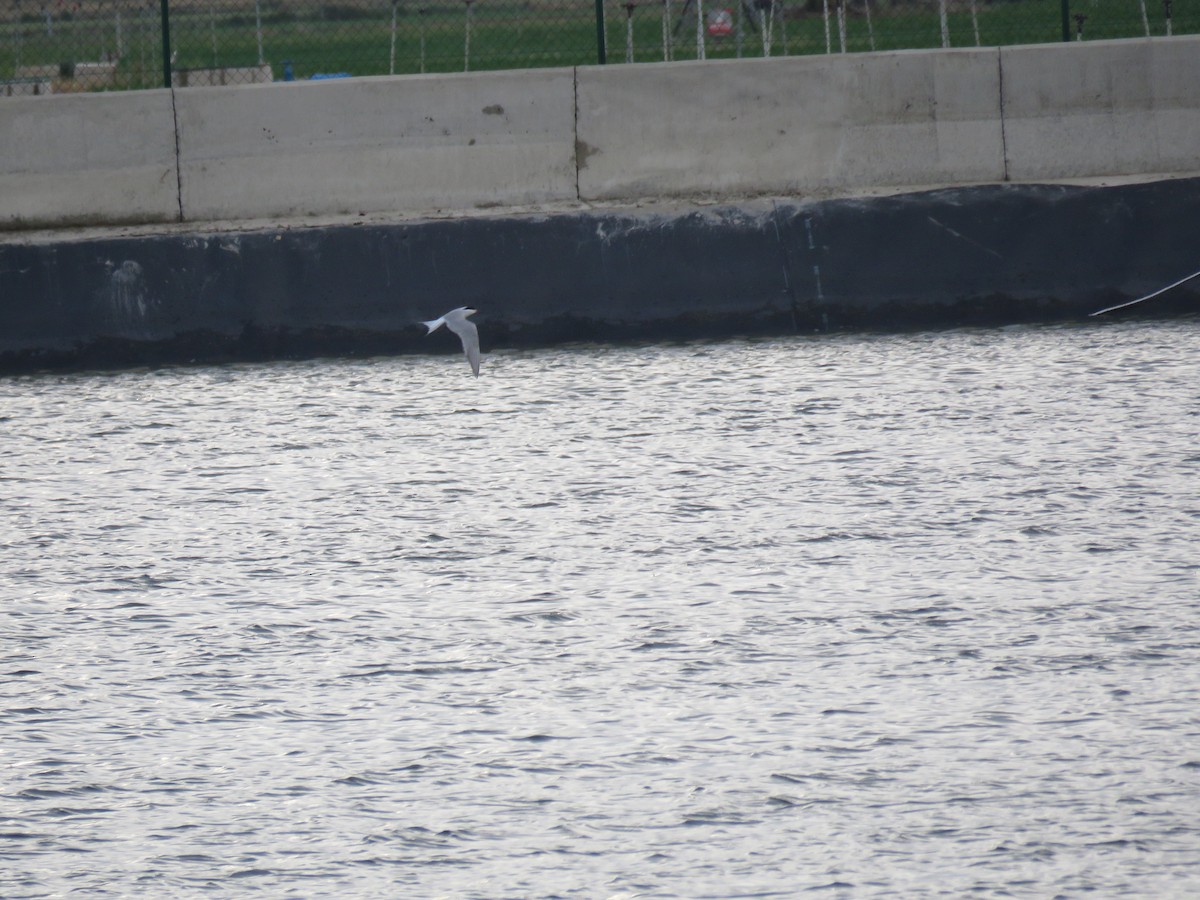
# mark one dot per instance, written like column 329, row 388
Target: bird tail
column 433, row 325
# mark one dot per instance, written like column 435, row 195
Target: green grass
column 518, row 36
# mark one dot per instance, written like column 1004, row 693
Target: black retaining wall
column 988, row 255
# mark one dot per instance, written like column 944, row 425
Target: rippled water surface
column 889, row 616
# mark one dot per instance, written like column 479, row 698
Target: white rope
column 1176, row 284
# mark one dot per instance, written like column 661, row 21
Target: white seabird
column 456, row 321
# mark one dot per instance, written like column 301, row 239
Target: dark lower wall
column 988, row 255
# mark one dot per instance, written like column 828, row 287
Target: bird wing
column 469, row 335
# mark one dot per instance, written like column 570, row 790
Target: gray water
column 868, row 616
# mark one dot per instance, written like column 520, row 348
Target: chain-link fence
column 88, row 45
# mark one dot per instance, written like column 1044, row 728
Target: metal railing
column 52, row 46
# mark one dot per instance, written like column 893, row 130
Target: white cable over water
column 1163, row 290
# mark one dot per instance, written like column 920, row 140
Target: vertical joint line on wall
column 1000, row 83
column 178, row 161
column 575, row 114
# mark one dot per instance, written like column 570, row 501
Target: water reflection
column 886, row 615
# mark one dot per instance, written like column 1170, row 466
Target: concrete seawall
column 789, row 195
column 795, row 126
column 987, row 255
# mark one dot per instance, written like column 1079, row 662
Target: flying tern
column 456, row 321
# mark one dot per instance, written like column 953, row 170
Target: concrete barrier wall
column 724, row 128
column 1106, row 108
column 790, row 125
column 885, row 120
column 97, row 159
column 377, row 144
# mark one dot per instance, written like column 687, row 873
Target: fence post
column 601, row 50
column 1066, row 20
column 166, row 43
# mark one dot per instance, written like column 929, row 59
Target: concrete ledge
column 1102, row 108
column 370, row 144
column 790, row 125
column 93, row 159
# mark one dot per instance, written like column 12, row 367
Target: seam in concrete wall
column 178, row 159
column 575, row 125
column 1000, row 107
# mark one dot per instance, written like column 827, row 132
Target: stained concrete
column 1101, row 108
column 86, row 160
column 371, row 144
column 990, row 255
column 783, row 126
